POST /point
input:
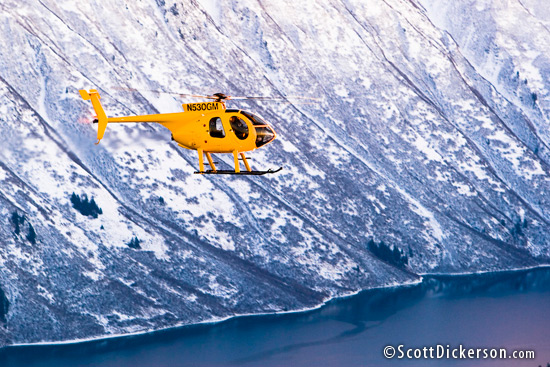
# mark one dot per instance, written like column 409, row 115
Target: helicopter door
column 216, row 128
column 239, row 127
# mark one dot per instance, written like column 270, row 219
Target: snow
column 430, row 153
column 341, row 91
column 42, row 101
column 3, row 174
column 397, row 140
column 92, row 275
column 44, row 293
column 421, row 210
column 463, row 189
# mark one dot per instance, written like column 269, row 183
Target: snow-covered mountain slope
column 430, row 135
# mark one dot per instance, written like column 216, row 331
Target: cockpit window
column 216, row 128
column 264, row 132
column 255, row 119
column 239, row 127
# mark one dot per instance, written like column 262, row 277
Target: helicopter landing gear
column 245, row 163
column 210, row 161
column 201, row 160
column 237, row 170
column 231, row 172
column 236, row 160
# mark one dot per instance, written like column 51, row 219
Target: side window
column 239, row 127
column 216, row 128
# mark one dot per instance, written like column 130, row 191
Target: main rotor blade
column 275, row 98
column 162, row 92
column 220, row 96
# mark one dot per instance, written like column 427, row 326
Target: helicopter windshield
column 255, row 119
column 264, row 132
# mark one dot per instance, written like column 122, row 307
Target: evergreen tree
column 396, row 255
column 4, row 306
column 75, row 200
column 17, row 221
column 85, row 207
column 94, row 209
column 31, row 236
column 392, row 255
column 134, row 243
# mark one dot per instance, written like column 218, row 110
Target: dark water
column 504, row 310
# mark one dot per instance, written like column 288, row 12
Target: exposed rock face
column 430, row 135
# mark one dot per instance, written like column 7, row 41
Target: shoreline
column 513, row 270
column 304, row 310
column 207, row 322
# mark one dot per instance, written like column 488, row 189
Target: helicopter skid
column 231, row 172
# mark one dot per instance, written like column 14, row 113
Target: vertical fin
column 101, row 116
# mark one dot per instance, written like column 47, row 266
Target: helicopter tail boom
column 93, row 95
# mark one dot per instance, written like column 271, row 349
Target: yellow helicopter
column 207, row 127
